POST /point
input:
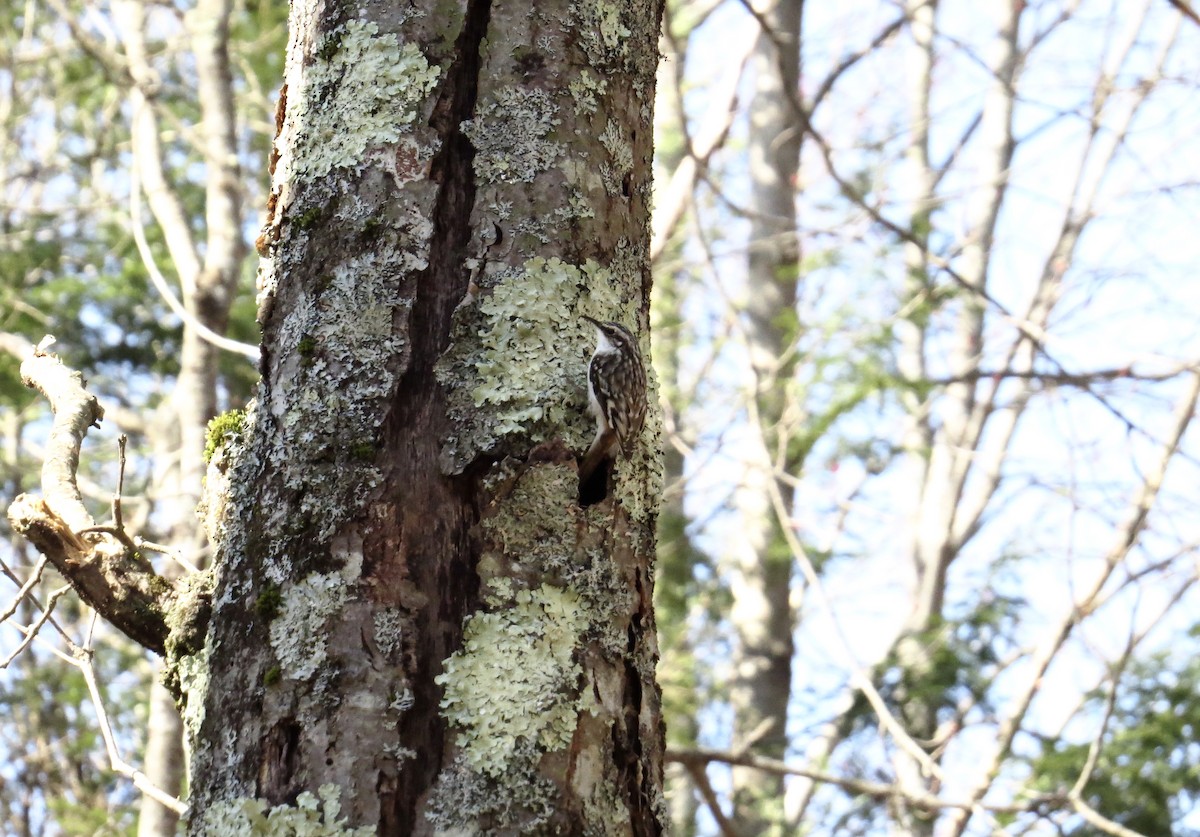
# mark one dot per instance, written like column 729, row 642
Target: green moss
column 228, row 426
column 308, row 218
column 306, row 346
column 268, row 603
column 362, row 451
column 372, row 227
column 273, row 675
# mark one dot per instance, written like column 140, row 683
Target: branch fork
column 101, row 563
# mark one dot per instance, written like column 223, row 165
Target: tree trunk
column 415, row 619
column 759, row 565
column 207, row 283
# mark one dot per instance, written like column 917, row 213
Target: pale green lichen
column 603, row 34
column 521, row 350
column 509, row 692
column 537, row 526
column 192, row 671
column 525, row 316
column 511, row 135
column 362, row 91
column 585, row 90
column 311, row 816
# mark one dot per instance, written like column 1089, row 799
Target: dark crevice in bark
column 594, row 488
column 277, row 781
column 435, row 524
column 628, row 754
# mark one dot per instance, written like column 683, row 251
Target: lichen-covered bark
column 415, row 621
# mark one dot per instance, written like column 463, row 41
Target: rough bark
column 415, row 621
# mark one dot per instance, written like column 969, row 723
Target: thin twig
column 696, row 770
column 695, row 758
column 160, row 283
column 32, row 630
column 140, row 780
column 38, row 569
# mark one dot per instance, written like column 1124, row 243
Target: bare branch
column 1186, row 10
column 34, row 578
column 75, row 411
column 106, row 573
column 164, row 289
column 1126, row 536
column 671, row 200
column 695, row 758
column 698, row 775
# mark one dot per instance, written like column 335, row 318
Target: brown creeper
column 616, row 393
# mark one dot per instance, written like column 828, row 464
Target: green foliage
column 959, row 656
column 1148, row 770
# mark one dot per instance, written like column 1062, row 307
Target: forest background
column 924, row 329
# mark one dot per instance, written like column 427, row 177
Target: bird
column 616, row 393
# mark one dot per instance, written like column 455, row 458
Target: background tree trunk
column 208, row 280
column 758, row 564
column 414, row 615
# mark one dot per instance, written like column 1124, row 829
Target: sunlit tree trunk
column 944, row 442
column 415, row 620
column 757, row 564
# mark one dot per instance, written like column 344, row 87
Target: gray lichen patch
column 511, row 135
column 341, row 356
column 362, row 91
column 463, row 798
column 299, row 631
